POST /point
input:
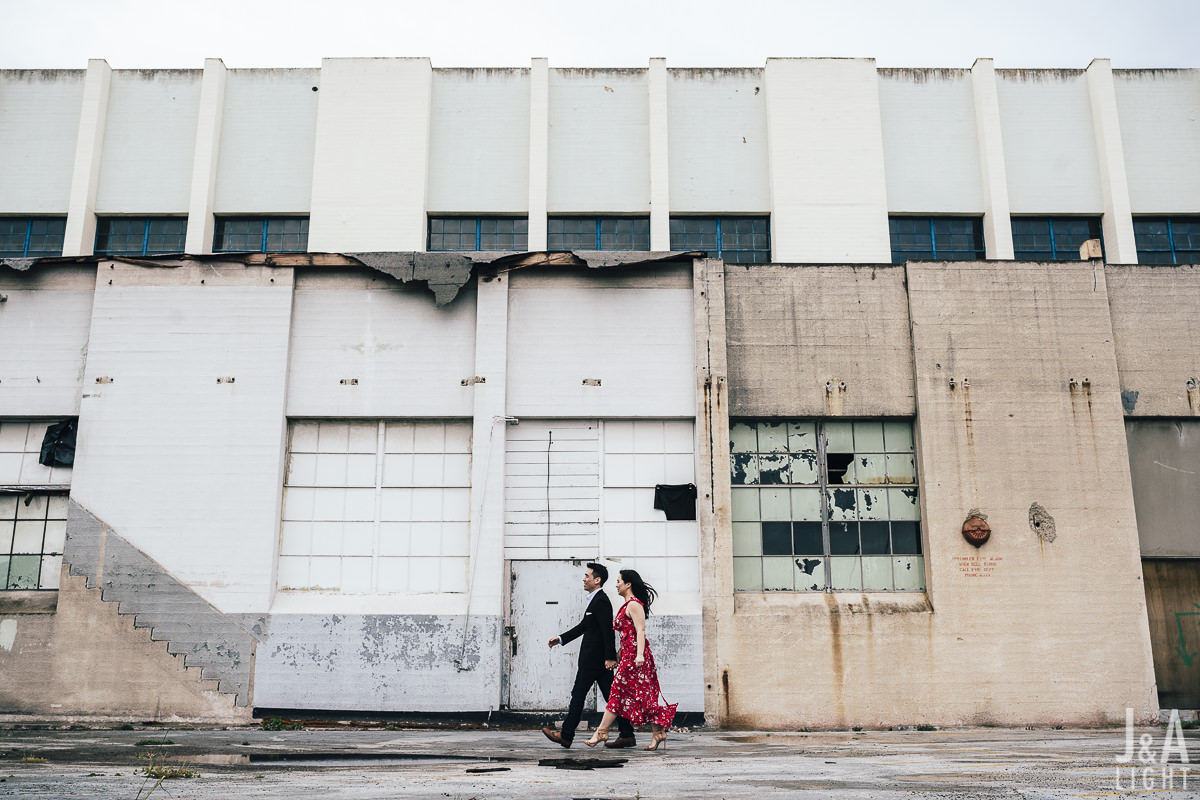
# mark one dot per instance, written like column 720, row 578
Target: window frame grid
column 145, row 249
column 598, row 243
column 29, row 223
column 42, row 553
column 723, row 252
column 1173, row 249
column 977, row 253
column 1095, row 231
column 479, row 233
column 825, row 489
column 263, row 238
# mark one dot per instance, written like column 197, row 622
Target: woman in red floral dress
column 635, row 692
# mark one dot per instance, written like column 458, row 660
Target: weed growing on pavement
column 32, row 760
column 277, row 724
column 927, row 727
column 160, row 769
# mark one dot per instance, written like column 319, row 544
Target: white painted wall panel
column 930, row 146
column 268, row 134
column 479, row 141
column 149, row 136
column 640, row 343
column 371, row 157
column 1160, row 129
column 44, row 327
column 187, row 469
column 39, row 120
column 717, row 134
column 408, row 355
column 829, row 197
column 599, row 141
column 1049, row 143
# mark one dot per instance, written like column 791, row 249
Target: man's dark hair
column 600, row 571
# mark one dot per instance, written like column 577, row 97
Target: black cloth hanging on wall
column 676, row 500
column 58, row 445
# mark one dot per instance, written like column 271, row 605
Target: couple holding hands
column 632, row 691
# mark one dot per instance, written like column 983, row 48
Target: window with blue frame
column 32, row 237
column 1167, row 240
column 141, row 236
column 1052, row 238
column 941, row 238
column 598, row 233
column 261, row 235
column 478, row 233
column 737, row 240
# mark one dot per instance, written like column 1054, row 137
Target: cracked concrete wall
column 370, row 662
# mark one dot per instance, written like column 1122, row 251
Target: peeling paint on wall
column 1129, row 400
column 1041, row 523
column 8, row 634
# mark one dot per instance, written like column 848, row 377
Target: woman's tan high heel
column 657, row 738
column 600, row 735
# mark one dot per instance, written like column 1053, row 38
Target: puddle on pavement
column 331, row 759
column 776, row 738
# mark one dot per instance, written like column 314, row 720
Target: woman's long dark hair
column 641, row 590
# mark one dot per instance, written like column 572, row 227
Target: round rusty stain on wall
column 976, row 530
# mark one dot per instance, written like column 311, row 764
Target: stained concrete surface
column 378, row 763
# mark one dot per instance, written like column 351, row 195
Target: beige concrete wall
column 87, row 660
column 1157, row 337
column 791, row 330
column 1041, row 631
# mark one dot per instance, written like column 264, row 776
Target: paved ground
column 478, row 763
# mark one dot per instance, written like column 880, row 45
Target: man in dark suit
column 597, row 659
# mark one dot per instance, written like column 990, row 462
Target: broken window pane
column 777, row 575
column 809, row 574
column 877, row 574
column 23, row 572
column 742, row 438
column 777, row 538
column 870, row 468
column 845, row 574
column 868, row 437
column 843, row 538
column 804, row 468
column 901, row 468
column 841, row 467
column 747, row 575
column 842, row 504
column 906, row 538
column 802, row 437
column 903, row 504
column 773, row 468
column 872, row 503
column 806, row 539
column 909, row 573
column 874, row 538
column 747, row 539
column 744, row 468
column 772, row 437
column 839, row 437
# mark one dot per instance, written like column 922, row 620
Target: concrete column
column 487, row 448
column 371, row 160
column 80, row 236
column 997, row 218
column 539, row 151
column 660, row 185
column 1119, row 243
column 825, row 145
column 204, row 159
column 712, row 455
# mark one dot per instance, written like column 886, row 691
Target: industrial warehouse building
column 366, row 361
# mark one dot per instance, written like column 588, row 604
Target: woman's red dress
column 635, row 693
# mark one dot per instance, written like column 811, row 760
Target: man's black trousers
column 583, row 684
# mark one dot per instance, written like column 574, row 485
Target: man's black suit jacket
column 597, row 631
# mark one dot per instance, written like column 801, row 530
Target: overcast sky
column 615, row 33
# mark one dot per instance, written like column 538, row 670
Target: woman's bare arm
column 638, row 615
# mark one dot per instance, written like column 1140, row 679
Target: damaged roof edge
column 444, row 273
